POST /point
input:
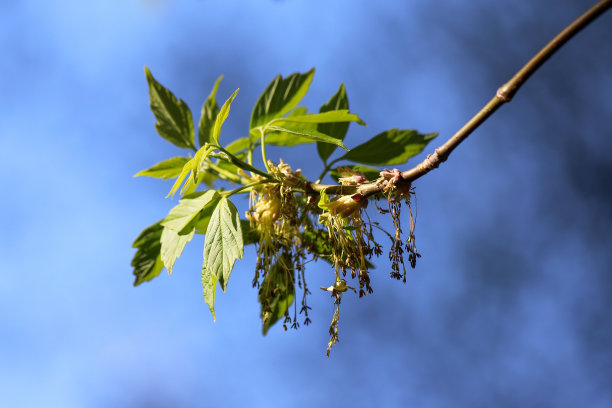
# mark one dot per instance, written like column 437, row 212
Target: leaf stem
column 243, row 165
column 263, row 148
column 246, row 186
column 226, row 174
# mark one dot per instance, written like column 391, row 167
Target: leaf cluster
column 282, row 223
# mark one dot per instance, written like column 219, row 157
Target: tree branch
column 503, row 95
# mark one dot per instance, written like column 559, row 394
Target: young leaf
column 306, row 133
column 338, row 130
column 393, row 146
column 238, row 145
column 280, row 97
column 174, row 121
column 277, row 292
column 172, row 245
column 198, row 160
column 147, row 261
column 283, row 138
column 209, row 287
column 165, row 169
column 342, row 115
column 187, row 210
column 187, row 168
column 223, row 243
column 216, row 131
column 210, row 110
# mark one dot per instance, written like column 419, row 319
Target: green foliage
column 307, row 133
column 393, row 146
column 223, row 246
column 172, row 245
column 338, row 130
column 174, row 122
column 210, row 110
column 282, row 219
column 165, row 169
column 147, row 260
column 181, row 218
column 280, row 97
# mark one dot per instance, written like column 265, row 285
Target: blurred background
column 509, row 305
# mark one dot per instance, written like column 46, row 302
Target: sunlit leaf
column 165, row 169
column 188, row 209
column 393, row 146
column 308, row 133
column 280, row 97
column 209, row 287
column 174, row 121
column 172, row 245
column 223, row 243
column 187, row 168
column 342, row 115
column 210, row 110
column 216, row 131
column 338, row 130
column 147, row 261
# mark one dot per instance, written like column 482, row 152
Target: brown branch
column 503, row 95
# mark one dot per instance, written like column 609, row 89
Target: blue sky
column 508, row 306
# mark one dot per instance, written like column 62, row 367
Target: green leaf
column 198, row 160
column 187, row 168
column 216, row 131
column 223, row 243
column 165, row 169
column 172, row 245
column 277, row 292
column 238, row 145
column 210, row 110
column 174, row 121
column 147, row 261
column 393, row 146
column 280, row 97
column 283, row 138
column 338, row 130
column 188, row 209
column 369, row 172
column 305, row 133
column 342, row 115
column 209, row 286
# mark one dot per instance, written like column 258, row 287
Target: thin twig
column 503, row 95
